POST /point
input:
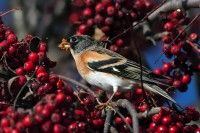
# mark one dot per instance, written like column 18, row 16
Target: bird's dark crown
column 80, row 43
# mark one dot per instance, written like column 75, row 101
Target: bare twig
column 107, row 122
column 86, row 88
column 124, row 103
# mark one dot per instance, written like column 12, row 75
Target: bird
column 109, row 70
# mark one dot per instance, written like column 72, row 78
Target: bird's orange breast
column 89, row 56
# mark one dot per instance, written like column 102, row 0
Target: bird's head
column 78, row 43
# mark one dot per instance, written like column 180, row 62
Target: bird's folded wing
column 122, row 67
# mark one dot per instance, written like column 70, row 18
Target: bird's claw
column 105, row 105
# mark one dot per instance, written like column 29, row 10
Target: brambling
column 109, row 70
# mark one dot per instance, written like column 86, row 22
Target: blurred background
column 52, row 20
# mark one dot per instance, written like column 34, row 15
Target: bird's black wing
column 122, row 67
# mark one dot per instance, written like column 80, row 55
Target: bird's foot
column 104, row 105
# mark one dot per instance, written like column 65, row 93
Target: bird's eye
column 73, row 40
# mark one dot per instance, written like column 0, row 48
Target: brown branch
column 86, row 88
column 124, row 103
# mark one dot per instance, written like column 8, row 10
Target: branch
column 107, row 121
column 149, row 113
column 124, row 103
column 113, row 129
column 172, row 5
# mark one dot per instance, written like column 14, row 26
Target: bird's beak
column 64, row 45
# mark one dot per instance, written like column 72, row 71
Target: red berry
column 39, row 119
column 156, row 118
column 29, row 66
column 105, row 29
column 169, row 26
column 58, row 128
column 46, row 113
column 33, row 57
column 99, row 8
column 118, row 120
column 110, row 10
column 7, row 33
column 128, row 120
column 173, row 129
column 21, row 80
column 177, row 14
column 53, row 79
column 152, row 126
column 194, row 37
column 175, row 50
column 56, row 117
column 197, row 130
column 12, row 38
column 106, row 2
column 40, row 69
column 20, row 71
column 166, row 39
column 42, row 76
column 43, row 47
column 20, row 126
column 89, row 2
column 5, row 122
column 87, row 12
column 119, row 42
column 73, row 128
column 82, row 29
column 166, row 120
column 98, row 19
column 79, row 114
column 29, row 37
column 89, row 23
column 60, row 98
column 4, row 45
column 162, row 129
column 82, row 126
column 38, row 108
column 47, row 127
column 108, row 21
column 158, row 71
column 140, row 5
column 42, row 56
column 186, row 79
column 166, row 67
column 28, row 121
column 114, row 48
column 11, row 50
column 177, row 83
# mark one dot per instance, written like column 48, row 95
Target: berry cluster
column 178, row 45
column 111, row 17
column 174, row 122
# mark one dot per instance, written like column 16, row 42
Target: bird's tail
column 158, row 90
